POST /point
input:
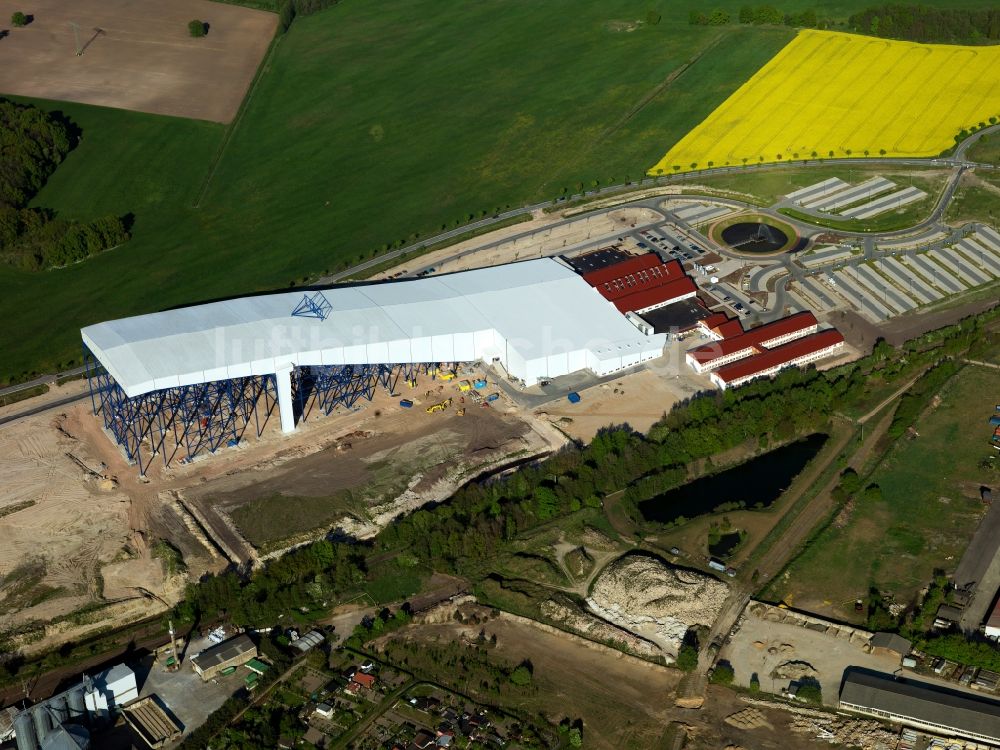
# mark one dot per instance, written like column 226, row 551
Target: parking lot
column 183, row 692
column 897, row 283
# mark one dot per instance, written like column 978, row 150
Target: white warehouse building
column 538, row 319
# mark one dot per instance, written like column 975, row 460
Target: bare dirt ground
column 137, row 55
column 369, row 467
column 624, row 702
column 638, row 400
column 79, row 526
column 531, row 239
column 63, row 528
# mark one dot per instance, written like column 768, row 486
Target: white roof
column 537, row 308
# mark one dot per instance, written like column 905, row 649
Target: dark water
column 754, row 484
column 754, row 237
column 725, row 546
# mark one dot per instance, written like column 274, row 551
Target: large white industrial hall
column 198, row 373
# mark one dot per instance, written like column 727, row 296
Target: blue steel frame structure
column 193, row 419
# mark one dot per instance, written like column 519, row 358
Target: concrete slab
column 827, row 301
column 826, row 187
column 184, row 693
column 867, row 190
column 879, row 285
column 886, row 203
column 937, row 273
column 977, row 253
column 863, row 301
column 760, row 646
column 965, row 270
column 908, row 281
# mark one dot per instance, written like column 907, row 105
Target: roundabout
column 756, row 235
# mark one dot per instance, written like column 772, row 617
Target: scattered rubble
column 655, row 600
column 794, row 670
column 748, row 718
column 597, row 629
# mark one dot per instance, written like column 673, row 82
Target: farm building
column 922, row 706
column 189, row 380
column 232, row 653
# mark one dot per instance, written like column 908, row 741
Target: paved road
column 44, row 407
column 959, row 161
column 42, row 380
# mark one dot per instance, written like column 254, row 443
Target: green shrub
column 196, row 28
column 19, row 19
column 723, row 674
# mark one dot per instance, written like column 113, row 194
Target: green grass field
column 929, row 510
column 986, row 149
column 372, row 124
column 977, row 199
column 769, row 185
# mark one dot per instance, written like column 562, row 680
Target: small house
column 890, row 643
column 324, row 710
column 365, row 680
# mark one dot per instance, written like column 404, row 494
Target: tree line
column 465, row 534
column 922, row 23
column 32, row 144
column 757, row 15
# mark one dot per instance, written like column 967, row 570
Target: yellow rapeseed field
column 829, row 94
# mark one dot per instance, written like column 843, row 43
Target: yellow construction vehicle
column 446, row 375
column 439, row 407
column 461, row 412
column 464, row 386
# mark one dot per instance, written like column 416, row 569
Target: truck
column 492, row 397
column 439, row 406
column 479, row 383
column 406, row 403
column 573, row 397
column 716, row 564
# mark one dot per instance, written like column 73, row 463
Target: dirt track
column 137, row 55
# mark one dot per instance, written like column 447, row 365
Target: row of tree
column 32, row 145
column 467, row 533
column 923, row 23
column 757, row 15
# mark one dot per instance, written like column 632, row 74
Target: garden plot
column 907, row 279
column 965, row 271
column 867, row 190
column 866, row 304
column 886, row 203
column 819, row 190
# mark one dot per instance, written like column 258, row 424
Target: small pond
column 754, row 237
column 754, row 484
column 726, row 545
